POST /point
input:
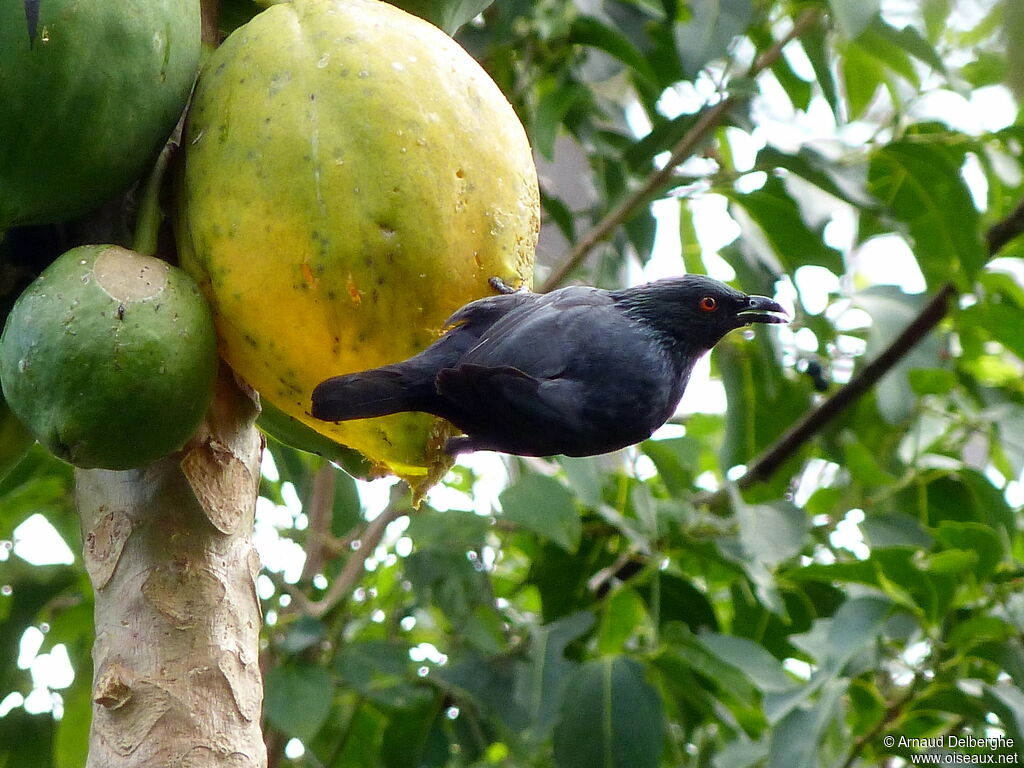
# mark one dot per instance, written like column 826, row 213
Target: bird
column 578, row 371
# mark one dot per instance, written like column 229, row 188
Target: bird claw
column 502, row 287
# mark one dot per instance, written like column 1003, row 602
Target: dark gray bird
column 578, row 371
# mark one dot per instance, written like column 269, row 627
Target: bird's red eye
column 708, row 304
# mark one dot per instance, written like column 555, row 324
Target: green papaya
column 90, row 91
column 109, row 357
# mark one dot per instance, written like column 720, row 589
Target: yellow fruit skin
column 351, row 177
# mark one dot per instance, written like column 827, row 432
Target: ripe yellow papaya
column 351, row 177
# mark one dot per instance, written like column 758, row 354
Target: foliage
column 641, row 609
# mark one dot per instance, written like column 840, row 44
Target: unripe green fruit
column 109, row 357
column 89, row 93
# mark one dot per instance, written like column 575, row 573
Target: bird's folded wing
column 482, row 313
column 506, row 398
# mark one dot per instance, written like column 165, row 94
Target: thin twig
column 397, row 507
column 711, row 118
column 320, row 513
column 765, row 465
column 892, row 712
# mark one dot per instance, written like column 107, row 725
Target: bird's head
column 697, row 311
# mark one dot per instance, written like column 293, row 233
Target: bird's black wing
column 539, row 337
column 479, row 315
column 558, row 376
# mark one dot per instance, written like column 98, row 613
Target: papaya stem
column 149, row 216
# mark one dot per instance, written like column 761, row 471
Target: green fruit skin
column 89, row 101
column 109, row 358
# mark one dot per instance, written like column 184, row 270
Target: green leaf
column 981, row 540
column 587, row 30
column 449, row 15
column 779, row 218
column 741, row 753
column 416, row 739
column 763, row 669
column 855, row 625
column 921, row 184
column 347, row 509
column 848, row 182
column 556, row 99
column 927, row 593
column 895, row 530
column 585, row 478
column 298, row 699
column 544, row 679
column 878, row 41
column 794, row 740
column 1007, row 701
column 863, row 75
column 449, row 581
column 677, row 460
column 1013, row 19
column 26, row 740
column 610, row 717
column 891, row 311
column 455, row 530
column 935, row 14
column 910, row 40
column 710, row 30
column 771, row 533
column 687, row 658
column 853, row 16
column 490, row 682
column 691, row 249
column 761, row 401
column 544, row 506
column 672, row 598
column 932, row 381
column 381, row 671
column 817, row 45
column 303, row 634
column 623, row 613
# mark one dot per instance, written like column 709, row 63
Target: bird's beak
column 761, row 309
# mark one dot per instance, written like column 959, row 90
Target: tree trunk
column 169, row 551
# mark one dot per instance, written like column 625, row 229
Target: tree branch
column 397, row 507
column 711, row 118
column 765, row 465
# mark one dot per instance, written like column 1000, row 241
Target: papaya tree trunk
column 169, row 551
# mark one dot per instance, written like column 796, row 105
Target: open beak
column 761, row 309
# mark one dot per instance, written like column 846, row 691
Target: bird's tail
column 377, row 392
